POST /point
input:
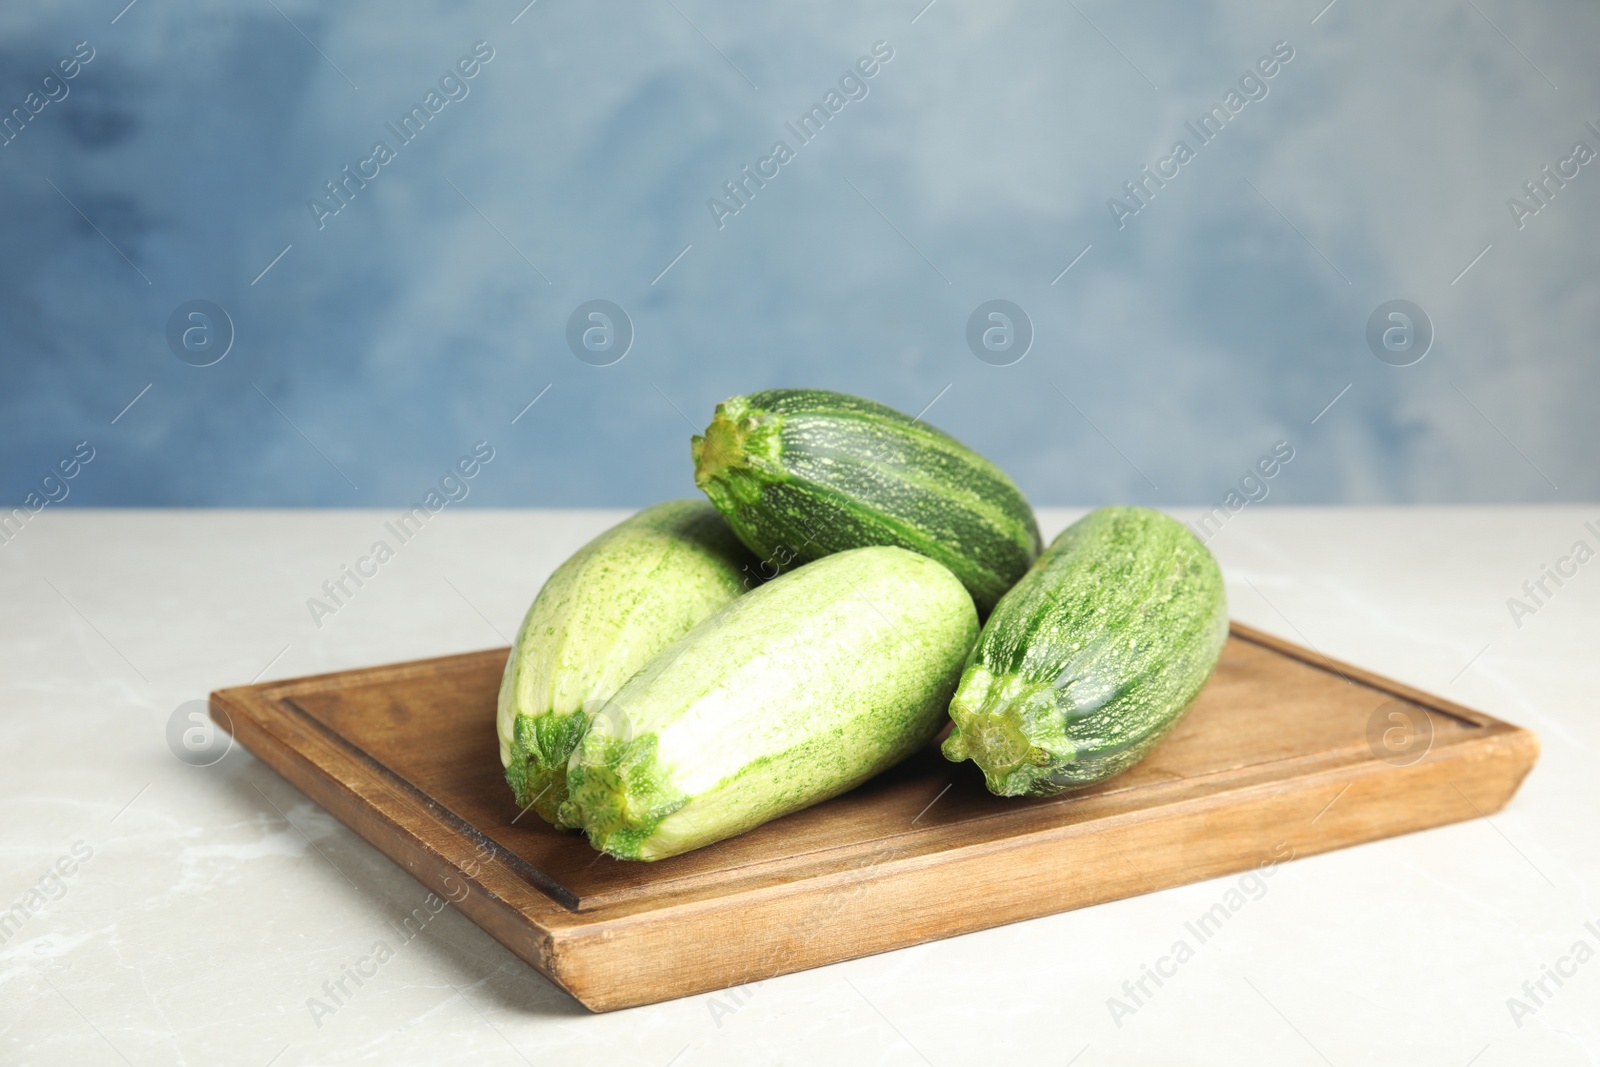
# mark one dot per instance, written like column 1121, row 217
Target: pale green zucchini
column 602, row 615
column 794, row 693
column 1092, row 656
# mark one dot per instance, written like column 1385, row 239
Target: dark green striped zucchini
column 603, row 614
column 795, row 692
column 801, row 473
column 1092, row 657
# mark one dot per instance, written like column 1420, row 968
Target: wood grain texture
column 1273, row 760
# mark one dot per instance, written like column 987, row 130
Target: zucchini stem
column 1011, row 727
column 617, row 793
column 537, row 773
column 739, row 442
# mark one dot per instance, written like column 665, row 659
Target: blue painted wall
column 1211, row 317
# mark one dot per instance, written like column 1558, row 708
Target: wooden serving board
column 1284, row 750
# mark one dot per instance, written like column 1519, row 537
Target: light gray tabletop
column 168, row 913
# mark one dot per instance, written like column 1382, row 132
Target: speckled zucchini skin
column 603, row 614
column 797, row 691
column 1093, row 656
column 801, row 473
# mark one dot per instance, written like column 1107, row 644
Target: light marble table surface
column 180, row 914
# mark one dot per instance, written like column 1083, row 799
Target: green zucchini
column 1092, row 657
column 800, row 473
column 602, row 615
column 797, row 691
